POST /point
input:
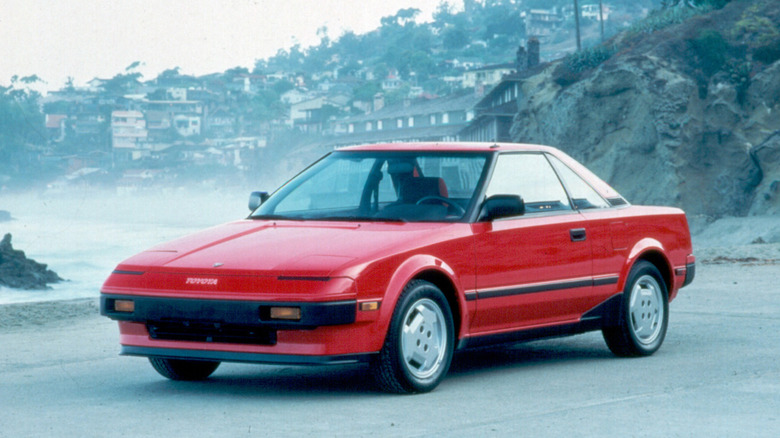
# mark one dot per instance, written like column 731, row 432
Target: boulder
column 19, row 272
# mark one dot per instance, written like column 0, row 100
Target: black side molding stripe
column 547, row 287
column 605, row 281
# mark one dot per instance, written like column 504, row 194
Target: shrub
column 664, row 18
column 710, row 49
column 768, row 53
column 570, row 70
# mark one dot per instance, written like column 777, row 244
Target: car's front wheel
column 420, row 340
column 180, row 369
column 643, row 316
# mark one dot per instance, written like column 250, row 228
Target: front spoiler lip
column 230, row 356
column 247, row 313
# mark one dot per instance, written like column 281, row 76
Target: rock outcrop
column 660, row 129
column 19, row 272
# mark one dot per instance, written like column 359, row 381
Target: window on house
column 351, row 128
column 399, row 123
column 411, row 122
column 379, row 125
column 369, row 127
column 445, row 118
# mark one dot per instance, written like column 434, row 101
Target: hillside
column 686, row 115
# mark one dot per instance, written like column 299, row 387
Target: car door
column 534, row 269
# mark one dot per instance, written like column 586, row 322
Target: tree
column 133, row 66
column 455, row 38
column 122, row 83
column 21, row 125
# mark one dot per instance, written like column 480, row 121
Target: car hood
column 278, row 248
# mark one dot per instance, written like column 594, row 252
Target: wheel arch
column 447, row 287
column 651, row 251
column 435, row 271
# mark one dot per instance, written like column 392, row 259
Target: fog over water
column 82, row 234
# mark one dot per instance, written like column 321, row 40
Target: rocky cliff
column 688, row 115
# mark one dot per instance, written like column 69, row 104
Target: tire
column 643, row 314
column 180, row 369
column 420, row 340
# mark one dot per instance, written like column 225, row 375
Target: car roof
column 600, row 185
column 450, row 147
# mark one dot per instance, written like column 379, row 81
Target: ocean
column 82, row 234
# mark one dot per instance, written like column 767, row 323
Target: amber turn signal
column 369, row 305
column 288, row 313
column 124, row 306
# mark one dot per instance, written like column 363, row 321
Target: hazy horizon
column 88, row 39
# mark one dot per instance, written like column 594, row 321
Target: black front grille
column 210, row 332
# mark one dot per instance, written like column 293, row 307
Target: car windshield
column 380, row 186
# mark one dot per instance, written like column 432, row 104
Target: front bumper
column 228, row 312
column 247, row 357
column 222, row 321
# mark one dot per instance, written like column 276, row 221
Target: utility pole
column 601, row 19
column 577, row 24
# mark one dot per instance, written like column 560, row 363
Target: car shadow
column 355, row 379
column 529, row 354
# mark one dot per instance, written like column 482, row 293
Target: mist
column 83, row 233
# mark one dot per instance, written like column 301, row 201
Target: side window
column 531, row 177
column 582, row 194
column 387, row 193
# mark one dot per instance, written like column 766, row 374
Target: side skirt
column 603, row 315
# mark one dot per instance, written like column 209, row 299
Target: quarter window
column 582, row 194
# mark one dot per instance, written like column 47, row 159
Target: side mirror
column 256, row 199
column 498, row 206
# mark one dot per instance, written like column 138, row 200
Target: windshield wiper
column 359, row 218
column 276, row 217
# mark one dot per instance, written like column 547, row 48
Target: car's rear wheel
column 420, row 340
column 644, row 314
column 180, row 369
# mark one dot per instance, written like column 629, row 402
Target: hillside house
column 55, row 126
column 494, row 113
column 128, row 135
column 419, row 120
column 542, row 23
column 591, row 12
column 488, row 75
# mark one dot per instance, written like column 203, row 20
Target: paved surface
column 718, row 374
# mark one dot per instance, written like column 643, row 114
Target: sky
column 84, row 39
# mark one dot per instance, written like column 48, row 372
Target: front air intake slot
column 210, row 332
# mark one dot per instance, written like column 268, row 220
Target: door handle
column 577, row 234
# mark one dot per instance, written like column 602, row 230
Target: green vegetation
column 760, row 32
column 22, row 131
column 574, row 65
column 663, row 18
column 711, row 50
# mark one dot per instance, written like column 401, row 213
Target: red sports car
column 400, row 254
